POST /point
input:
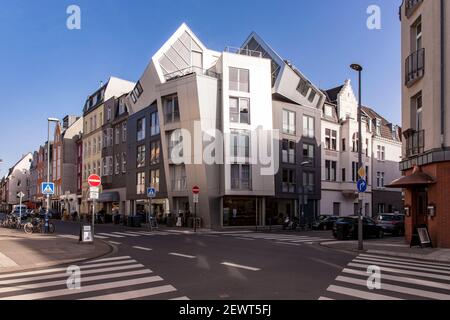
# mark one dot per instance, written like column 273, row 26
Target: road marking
column 182, row 255
column 399, row 289
column 100, row 237
column 116, row 243
column 401, row 271
column 136, row 233
column 126, row 234
column 325, row 299
column 247, row 239
column 64, row 274
column 392, row 259
column 288, row 243
column 134, row 294
column 309, row 240
column 6, row 262
column 142, row 248
column 180, row 298
column 108, row 259
column 229, row 264
column 67, row 236
column 210, row 235
column 359, row 293
column 402, row 267
column 109, row 235
column 399, row 263
column 84, row 289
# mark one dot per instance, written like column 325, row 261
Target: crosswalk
column 115, row 278
column 399, row 279
column 121, row 235
column 293, row 239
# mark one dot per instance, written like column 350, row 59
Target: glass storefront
column 239, row 211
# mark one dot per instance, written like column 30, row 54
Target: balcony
column 191, row 70
column 414, row 67
column 245, row 52
column 411, row 6
column 415, row 142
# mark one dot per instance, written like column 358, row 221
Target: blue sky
column 48, row 70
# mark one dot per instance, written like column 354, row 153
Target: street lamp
column 359, row 69
column 49, row 120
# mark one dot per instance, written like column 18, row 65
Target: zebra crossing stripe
column 325, row 299
column 359, row 293
column 108, row 259
column 100, row 237
column 401, row 266
column 406, row 260
column 399, row 289
column 126, row 234
column 128, row 295
column 180, row 299
column 410, row 262
column 109, row 235
column 142, row 248
column 84, row 289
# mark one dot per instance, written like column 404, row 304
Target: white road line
column 414, row 281
column 325, row 299
column 84, row 289
column 114, row 242
column 247, row 239
column 401, row 267
column 180, row 298
column 399, row 289
column 182, row 255
column 64, row 274
column 84, row 280
column 135, row 232
column 100, row 237
column 359, row 293
column 126, row 234
column 229, row 264
column 90, row 266
column 128, row 295
column 288, row 243
column 399, row 263
column 109, row 235
column 309, row 240
column 404, row 259
column 142, row 248
column 109, row 259
column 400, row 271
column 67, row 236
column 144, row 233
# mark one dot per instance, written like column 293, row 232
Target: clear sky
column 47, row 70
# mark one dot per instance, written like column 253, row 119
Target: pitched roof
column 386, row 126
column 332, row 94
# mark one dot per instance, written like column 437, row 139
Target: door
column 421, row 206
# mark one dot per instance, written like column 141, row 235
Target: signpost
column 48, row 189
column 94, row 182
column 151, row 193
column 362, row 186
column 20, row 195
column 196, row 193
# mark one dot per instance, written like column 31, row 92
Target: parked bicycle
column 38, row 226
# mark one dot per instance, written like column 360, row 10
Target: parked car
column 391, row 223
column 347, row 228
column 20, row 210
column 325, row 223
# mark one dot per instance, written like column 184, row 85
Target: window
column 328, row 111
column 108, row 114
column 178, row 173
column 344, row 178
column 117, row 129
column 288, row 182
column 381, row 208
column 94, row 146
column 381, row 153
column 99, row 144
column 171, row 109
column 89, row 148
column 240, row 110
column 140, row 183
column 308, row 126
column 417, row 32
column 133, row 97
column 308, row 152
column 330, row 139
column 312, row 96
column 240, row 177
column 140, row 129
column 138, row 90
column 155, row 152
column 124, row 132
column 239, row 80
column 105, row 166
column 330, row 170
column 303, row 87
column 344, row 143
column 110, row 166
column 124, row 162
column 367, row 175
column 117, row 164
column 336, row 209
column 355, row 142
column 380, row 179
column 154, row 179
column 288, row 151
column 378, row 123
column 105, row 138
column 289, row 122
column 355, row 170
column 140, row 161
column 417, row 117
column 95, row 122
column 308, row 182
column 122, row 107
column 240, row 145
column 154, row 124
column 176, row 146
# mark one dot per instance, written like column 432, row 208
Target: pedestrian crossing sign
column 48, row 188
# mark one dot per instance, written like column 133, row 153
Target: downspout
column 443, row 61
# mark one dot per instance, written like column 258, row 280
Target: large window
column 240, row 177
column 239, row 80
column 140, row 161
column 178, row 174
column 240, row 110
column 154, row 179
column 355, row 142
column 308, row 126
column 140, row 129
column 380, row 179
column 124, row 162
column 117, row 134
column 288, row 183
column 240, row 145
column 417, row 112
column 171, row 109
column 308, row 182
column 155, row 152
column 308, row 152
column 289, row 122
column 330, row 170
column 303, row 87
column 330, row 139
column 288, row 151
column 154, row 124
column 140, row 183
column 124, row 132
column 381, row 153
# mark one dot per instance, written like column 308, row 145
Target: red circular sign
column 195, row 190
column 94, row 180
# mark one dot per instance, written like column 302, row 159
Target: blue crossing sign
column 362, row 186
column 151, row 192
column 48, row 188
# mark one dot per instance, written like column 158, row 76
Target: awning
column 417, row 178
column 109, row 197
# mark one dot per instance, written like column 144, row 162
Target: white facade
column 18, row 178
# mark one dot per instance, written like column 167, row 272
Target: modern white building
column 18, row 179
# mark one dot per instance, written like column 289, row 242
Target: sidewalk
column 395, row 247
column 19, row 251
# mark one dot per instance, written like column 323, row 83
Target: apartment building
column 17, row 180
column 3, row 192
column 33, row 188
column 93, row 114
column 426, row 117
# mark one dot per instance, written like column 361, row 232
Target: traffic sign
column 195, row 198
column 94, row 180
column 48, row 188
column 94, row 189
column 94, row 195
column 151, row 192
column 362, row 173
column 196, row 190
column 362, row 186
column 20, row 195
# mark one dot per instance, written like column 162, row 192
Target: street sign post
column 151, row 193
column 196, row 193
column 20, row 195
column 94, row 182
column 362, row 186
column 48, row 188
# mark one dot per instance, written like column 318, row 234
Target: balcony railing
column 245, row 52
column 411, row 6
column 191, row 70
column 415, row 67
column 415, row 143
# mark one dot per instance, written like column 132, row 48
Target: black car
column 391, row 223
column 325, row 223
column 347, row 228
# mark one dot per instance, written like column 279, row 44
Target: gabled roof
column 386, row 126
column 333, row 93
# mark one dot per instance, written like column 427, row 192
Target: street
column 226, row 265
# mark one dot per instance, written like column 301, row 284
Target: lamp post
column 49, row 120
column 359, row 69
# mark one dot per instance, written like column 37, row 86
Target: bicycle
column 38, row 226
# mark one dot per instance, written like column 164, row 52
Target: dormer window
column 328, row 111
column 378, row 127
